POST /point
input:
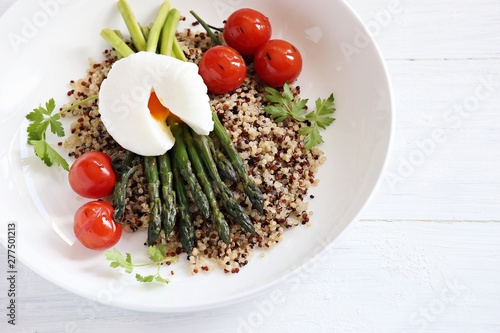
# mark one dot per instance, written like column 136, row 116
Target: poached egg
column 142, row 90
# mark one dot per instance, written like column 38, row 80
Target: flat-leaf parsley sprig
column 156, row 254
column 43, row 118
column 284, row 105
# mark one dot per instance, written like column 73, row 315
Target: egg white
column 125, row 93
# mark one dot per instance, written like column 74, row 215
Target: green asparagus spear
column 145, row 31
column 186, row 228
column 132, row 25
column 177, row 51
column 251, row 190
column 226, row 169
column 156, row 28
column 124, row 170
column 181, row 157
column 155, row 224
column 168, row 193
column 233, row 208
column 120, row 35
column 168, row 33
column 116, row 42
column 238, row 214
column 220, row 223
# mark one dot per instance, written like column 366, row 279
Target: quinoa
column 273, row 153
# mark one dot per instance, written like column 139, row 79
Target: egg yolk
column 158, row 111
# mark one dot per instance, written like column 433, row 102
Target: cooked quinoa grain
column 273, row 152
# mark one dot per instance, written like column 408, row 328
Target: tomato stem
column 215, row 28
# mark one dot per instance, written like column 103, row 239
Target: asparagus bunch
column 219, row 221
column 183, row 164
column 195, row 163
column 232, row 206
column 249, row 186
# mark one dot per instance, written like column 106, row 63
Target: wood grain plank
column 445, row 158
column 381, row 277
column 4, row 5
column 406, row 29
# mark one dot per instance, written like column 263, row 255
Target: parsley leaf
column 318, row 119
column 118, row 260
column 157, row 254
column 147, row 278
column 48, row 154
column 284, row 105
column 43, row 118
column 158, row 278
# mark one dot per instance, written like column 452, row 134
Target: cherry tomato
column 246, row 30
column 94, row 225
column 92, row 175
column 222, row 69
column 277, row 62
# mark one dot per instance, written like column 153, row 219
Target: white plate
column 45, row 46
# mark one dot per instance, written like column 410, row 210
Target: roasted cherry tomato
column 92, row 175
column 246, row 30
column 94, row 225
column 277, row 62
column 222, row 69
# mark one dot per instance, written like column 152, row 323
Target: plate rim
column 240, row 297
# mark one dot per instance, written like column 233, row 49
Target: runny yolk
column 157, row 110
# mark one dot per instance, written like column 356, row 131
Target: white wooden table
column 425, row 256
